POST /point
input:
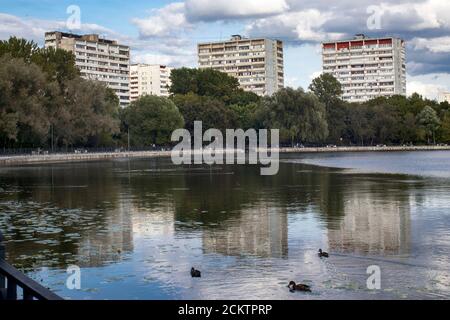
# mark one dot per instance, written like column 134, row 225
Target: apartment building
column 98, row 59
column 256, row 63
column 150, row 79
column 367, row 67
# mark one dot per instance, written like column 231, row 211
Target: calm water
column 136, row 227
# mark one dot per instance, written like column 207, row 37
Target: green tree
column 59, row 65
column 244, row 116
column 19, row 48
column 445, row 128
column 327, row 88
column 24, row 93
column 151, row 120
column 89, row 109
column 183, row 81
column 429, row 121
column 360, row 129
column 408, row 129
column 211, row 111
column 211, row 83
column 300, row 116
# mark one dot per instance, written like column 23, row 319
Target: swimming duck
column 298, row 287
column 323, row 254
column 195, row 273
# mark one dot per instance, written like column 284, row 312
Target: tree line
column 45, row 103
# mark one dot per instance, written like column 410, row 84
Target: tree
column 244, row 116
column 43, row 100
column 407, row 127
column 151, row 120
column 327, row 88
column 58, row 64
column 211, row 83
column 183, row 81
column 445, row 128
column 19, row 48
column 211, row 111
column 360, row 128
column 429, row 121
column 24, row 93
column 300, row 116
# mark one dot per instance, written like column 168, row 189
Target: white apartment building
column 444, row 97
column 149, row 79
column 98, row 59
column 256, row 63
column 367, row 67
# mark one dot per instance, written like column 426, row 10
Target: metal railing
column 11, row 280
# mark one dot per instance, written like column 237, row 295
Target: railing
column 12, row 279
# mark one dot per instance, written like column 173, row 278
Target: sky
column 167, row 32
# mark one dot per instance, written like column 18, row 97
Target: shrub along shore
column 73, row 157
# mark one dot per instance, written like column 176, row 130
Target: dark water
column 136, row 227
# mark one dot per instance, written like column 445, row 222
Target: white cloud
column 301, row 25
column 207, row 10
column 170, row 51
column 429, row 85
column 31, row 29
column 169, row 60
column 164, row 22
column 436, row 45
column 315, row 74
column 34, row 29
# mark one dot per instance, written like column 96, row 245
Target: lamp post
column 128, row 138
column 2, row 257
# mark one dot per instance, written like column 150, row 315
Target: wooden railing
column 12, row 279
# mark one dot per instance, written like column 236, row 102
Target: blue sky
column 167, row 32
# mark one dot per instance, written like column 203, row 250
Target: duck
column 195, row 273
column 323, row 254
column 298, row 287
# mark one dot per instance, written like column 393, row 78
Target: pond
column 136, row 227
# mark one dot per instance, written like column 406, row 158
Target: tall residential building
column 444, row 97
column 367, row 67
column 98, row 59
column 256, row 63
column 151, row 79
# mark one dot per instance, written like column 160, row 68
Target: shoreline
column 72, row 157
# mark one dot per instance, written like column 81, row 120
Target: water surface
column 137, row 227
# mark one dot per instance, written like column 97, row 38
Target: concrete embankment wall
column 73, row 157
column 365, row 149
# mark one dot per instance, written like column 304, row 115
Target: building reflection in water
column 260, row 230
column 371, row 225
column 108, row 243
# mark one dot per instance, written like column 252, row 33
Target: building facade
column 257, row 63
column 146, row 79
column 98, row 59
column 367, row 68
